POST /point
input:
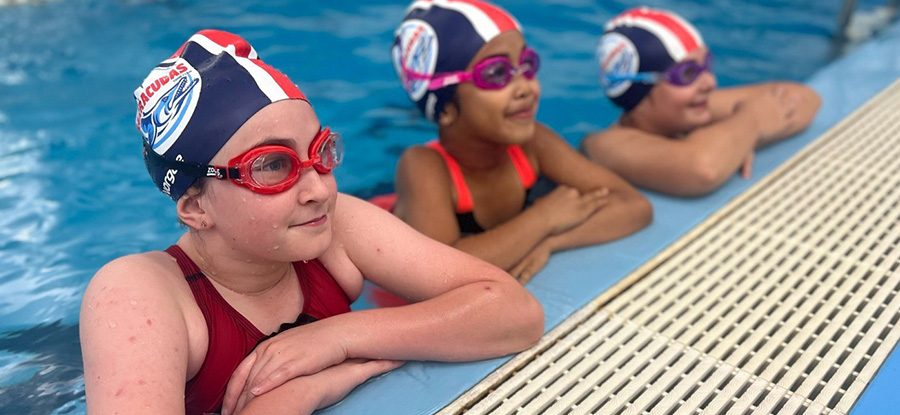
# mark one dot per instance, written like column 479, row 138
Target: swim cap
column 194, row 101
column 642, row 40
column 439, row 36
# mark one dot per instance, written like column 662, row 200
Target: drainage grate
column 783, row 302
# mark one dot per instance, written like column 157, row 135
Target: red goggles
column 268, row 169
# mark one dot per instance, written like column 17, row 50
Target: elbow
column 525, row 325
column 702, row 177
column 533, row 324
column 643, row 211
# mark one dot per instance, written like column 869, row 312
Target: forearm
column 626, row 213
column 807, row 105
column 716, row 151
column 506, row 244
column 297, row 396
column 475, row 321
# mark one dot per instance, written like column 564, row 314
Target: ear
column 449, row 114
column 190, row 210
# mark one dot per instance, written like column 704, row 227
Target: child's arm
column 305, row 394
column 703, row 160
column 804, row 100
column 627, row 211
column 134, row 341
column 425, row 201
column 464, row 308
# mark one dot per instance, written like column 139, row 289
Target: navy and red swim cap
column 194, row 101
column 439, row 36
column 642, row 40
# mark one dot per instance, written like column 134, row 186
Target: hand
column 308, row 393
column 533, row 262
column 747, row 166
column 299, row 351
column 773, row 110
column 565, row 207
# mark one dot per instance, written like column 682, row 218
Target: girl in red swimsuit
column 466, row 65
column 248, row 312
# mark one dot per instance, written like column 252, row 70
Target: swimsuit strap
column 523, row 166
column 464, row 204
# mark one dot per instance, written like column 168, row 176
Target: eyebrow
column 276, row 141
column 281, row 141
column 506, row 55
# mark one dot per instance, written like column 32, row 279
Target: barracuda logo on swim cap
column 416, row 49
column 194, row 101
column 617, row 56
column 163, row 110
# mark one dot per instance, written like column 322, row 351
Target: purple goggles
column 679, row 74
column 491, row 73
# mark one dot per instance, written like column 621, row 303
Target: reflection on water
column 73, row 190
column 44, row 370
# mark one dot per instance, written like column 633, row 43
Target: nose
column 314, row 187
column 708, row 81
column 523, row 87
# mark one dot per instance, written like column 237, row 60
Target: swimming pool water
column 73, row 190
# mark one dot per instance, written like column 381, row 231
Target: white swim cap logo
column 617, row 56
column 166, row 100
column 415, row 50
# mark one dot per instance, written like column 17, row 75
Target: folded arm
column 463, row 308
column 626, row 212
column 425, row 201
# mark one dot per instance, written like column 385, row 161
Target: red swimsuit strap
column 523, row 166
column 465, row 204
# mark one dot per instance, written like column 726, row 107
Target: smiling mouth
column 522, row 114
column 313, row 222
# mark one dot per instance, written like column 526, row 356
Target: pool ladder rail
column 785, row 301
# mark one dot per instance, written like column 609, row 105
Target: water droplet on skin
column 275, row 248
column 132, row 302
column 112, row 324
column 252, row 217
column 274, row 226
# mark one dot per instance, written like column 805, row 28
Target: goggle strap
column 192, row 170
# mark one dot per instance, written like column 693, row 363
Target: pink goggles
column 491, row 73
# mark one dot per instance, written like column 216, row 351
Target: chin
column 520, row 134
column 310, row 246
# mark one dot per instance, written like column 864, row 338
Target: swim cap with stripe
column 194, row 101
column 642, row 40
column 439, row 36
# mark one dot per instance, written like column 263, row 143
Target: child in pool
column 679, row 134
column 466, row 65
column 271, row 247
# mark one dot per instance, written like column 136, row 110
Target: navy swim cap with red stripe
column 440, row 36
column 642, row 40
column 194, row 101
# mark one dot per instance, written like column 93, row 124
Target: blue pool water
column 73, row 190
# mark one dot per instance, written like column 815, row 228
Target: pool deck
column 573, row 278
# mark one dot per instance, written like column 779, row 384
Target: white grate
column 783, row 302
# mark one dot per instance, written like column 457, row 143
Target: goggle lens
column 330, row 153
column 496, row 72
column 272, row 169
column 685, row 73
